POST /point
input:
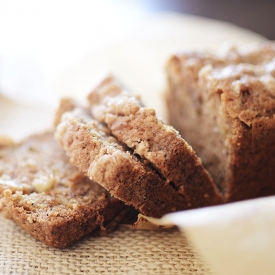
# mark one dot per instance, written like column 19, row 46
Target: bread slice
column 141, row 130
column 98, row 154
column 48, row 197
column 224, row 106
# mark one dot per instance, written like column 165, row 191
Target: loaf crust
column 47, row 196
column 231, row 98
column 141, row 130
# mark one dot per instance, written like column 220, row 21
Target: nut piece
column 43, row 183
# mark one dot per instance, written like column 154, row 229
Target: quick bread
column 141, row 130
column 137, row 158
column 224, row 106
column 49, row 197
column 99, row 155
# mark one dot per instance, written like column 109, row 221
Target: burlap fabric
column 124, row 251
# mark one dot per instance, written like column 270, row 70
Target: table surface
column 124, row 251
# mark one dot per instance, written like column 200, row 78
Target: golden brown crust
column 233, row 96
column 140, row 129
column 101, row 157
column 47, row 196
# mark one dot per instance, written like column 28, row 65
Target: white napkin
column 235, row 239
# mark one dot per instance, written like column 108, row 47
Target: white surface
column 41, row 39
column 18, row 120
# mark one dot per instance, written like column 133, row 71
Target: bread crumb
column 30, row 220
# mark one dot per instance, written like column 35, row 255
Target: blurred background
column 55, row 48
column 254, row 15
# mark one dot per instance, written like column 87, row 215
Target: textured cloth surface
column 125, row 251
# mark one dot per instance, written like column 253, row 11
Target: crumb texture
column 48, row 196
column 224, row 106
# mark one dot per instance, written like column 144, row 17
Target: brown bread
column 224, row 106
column 98, row 154
column 141, row 130
column 47, row 196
